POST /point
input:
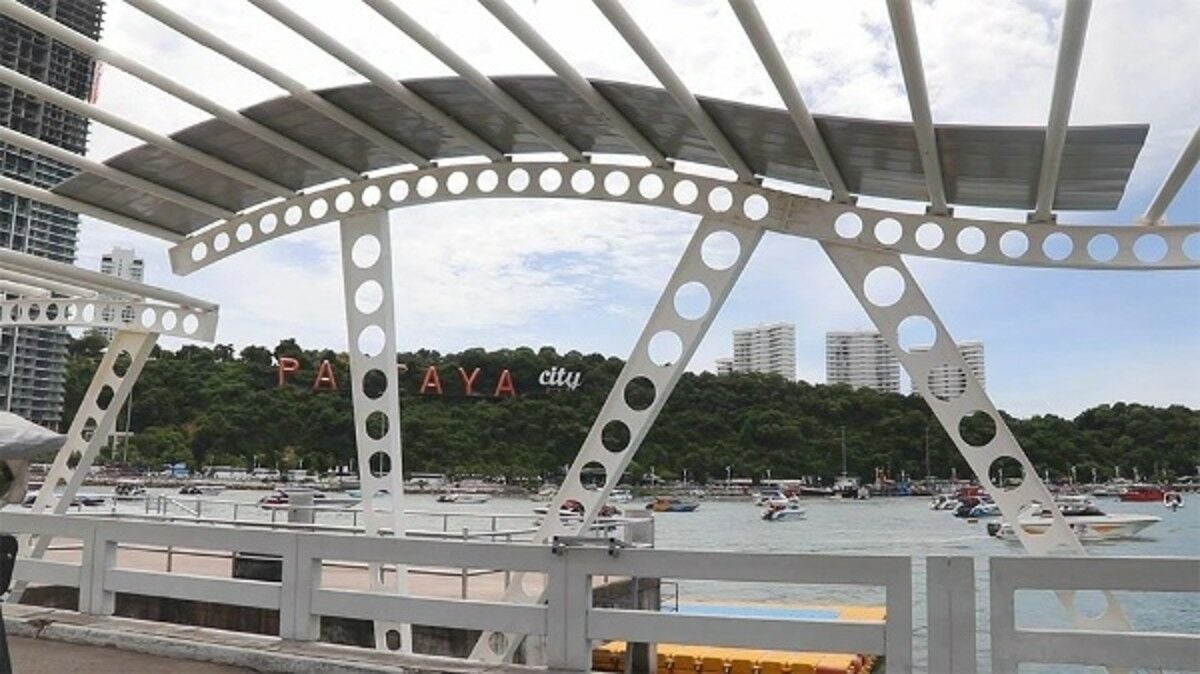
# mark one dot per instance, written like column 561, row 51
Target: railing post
column 466, row 536
column 1002, row 618
column 950, row 588
column 296, row 620
column 99, row 555
column 569, row 599
column 897, row 631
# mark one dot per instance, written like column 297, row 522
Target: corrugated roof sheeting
column 983, row 166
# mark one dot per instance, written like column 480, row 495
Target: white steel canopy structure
column 247, row 177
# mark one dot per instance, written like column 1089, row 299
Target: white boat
column 986, row 509
column 1087, row 521
column 782, row 513
column 1173, row 500
column 129, row 490
column 944, row 502
column 201, row 489
column 464, row 498
column 281, row 498
column 621, row 495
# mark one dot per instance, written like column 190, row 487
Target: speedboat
column 1173, row 500
column 984, row 509
column 463, row 498
column 621, row 495
column 572, row 509
column 944, row 502
column 1142, row 493
column 1087, row 521
column 201, row 489
column 129, row 490
column 769, row 496
column 281, row 498
column 668, row 504
column 781, row 513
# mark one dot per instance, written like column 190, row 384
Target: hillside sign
column 555, row 378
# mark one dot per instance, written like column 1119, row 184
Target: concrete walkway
column 41, row 656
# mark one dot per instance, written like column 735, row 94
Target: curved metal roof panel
column 982, row 165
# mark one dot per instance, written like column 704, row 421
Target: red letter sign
column 431, row 381
column 286, row 367
column 505, row 385
column 325, row 378
column 468, row 382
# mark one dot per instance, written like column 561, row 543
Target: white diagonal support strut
column 94, row 421
column 636, row 398
column 1175, row 179
column 890, row 295
column 371, row 326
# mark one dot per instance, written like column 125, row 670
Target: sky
column 585, row 276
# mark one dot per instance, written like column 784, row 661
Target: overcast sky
column 585, row 275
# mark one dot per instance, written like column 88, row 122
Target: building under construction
column 32, row 360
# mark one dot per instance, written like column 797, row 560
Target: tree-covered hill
column 215, row 406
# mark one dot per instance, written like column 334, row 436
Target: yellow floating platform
column 681, row 659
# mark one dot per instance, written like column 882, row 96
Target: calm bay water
column 893, row 526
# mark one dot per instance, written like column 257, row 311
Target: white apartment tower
column 861, row 358
column 946, row 381
column 124, row 264
column 769, row 349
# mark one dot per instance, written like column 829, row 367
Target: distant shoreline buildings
column 861, row 359
column 946, row 381
column 122, row 263
column 767, row 349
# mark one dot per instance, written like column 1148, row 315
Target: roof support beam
column 42, row 285
column 1174, row 182
column 481, row 82
column 1070, row 52
column 61, row 33
column 28, row 191
column 65, row 101
column 904, row 28
column 86, row 165
column 528, row 36
column 69, row 274
column 641, row 45
column 200, row 35
column 377, row 76
column 772, row 60
column 22, row 290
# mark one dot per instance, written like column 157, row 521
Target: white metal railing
column 571, row 625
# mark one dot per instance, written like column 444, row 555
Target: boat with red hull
column 1143, row 493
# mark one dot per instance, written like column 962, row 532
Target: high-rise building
column 125, row 264
column 947, row 381
column 724, row 366
column 861, row 359
column 769, row 349
column 32, row 360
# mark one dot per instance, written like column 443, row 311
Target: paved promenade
column 40, row 656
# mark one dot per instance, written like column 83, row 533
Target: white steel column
column 625, row 418
column 371, row 328
column 889, row 294
column 95, row 419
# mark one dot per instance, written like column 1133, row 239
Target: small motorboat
column 783, row 513
column 1173, row 500
column 983, row 510
column 281, row 498
column 201, row 489
column 769, row 496
column 572, row 509
column 463, row 498
column 944, row 502
column 621, row 495
column 129, row 490
column 1142, row 493
column 1087, row 521
column 668, row 504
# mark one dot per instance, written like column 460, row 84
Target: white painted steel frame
column 528, row 36
column 1066, row 72
column 950, row 607
column 904, row 28
column 776, row 210
column 371, row 340
column 665, row 324
column 44, row 24
column 216, row 43
column 1174, row 181
column 311, row 32
column 88, row 433
column 482, row 83
column 118, row 314
column 772, row 60
column 21, row 188
column 646, row 51
column 1111, row 648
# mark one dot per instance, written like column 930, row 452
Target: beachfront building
column 768, row 349
column 122, row 263
column 947, row 381
column 32, row 359
column 861, row 359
